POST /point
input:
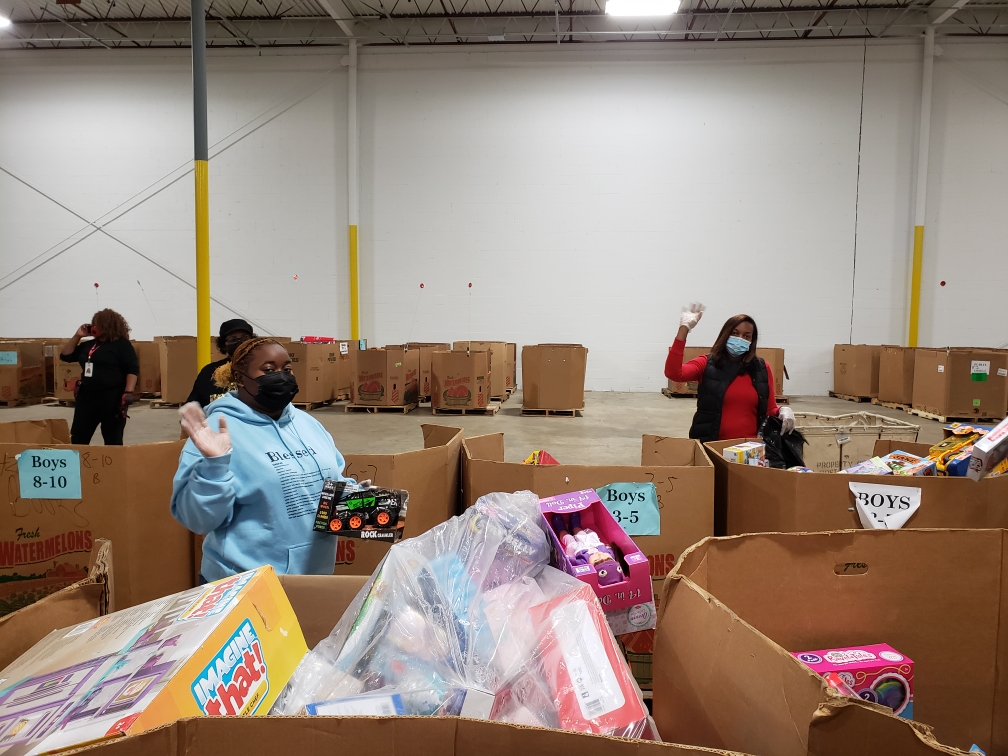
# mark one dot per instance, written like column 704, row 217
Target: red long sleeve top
column 738, row 412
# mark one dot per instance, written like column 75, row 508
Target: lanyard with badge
column 89, row 366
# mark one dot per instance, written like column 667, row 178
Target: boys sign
column 884, row 507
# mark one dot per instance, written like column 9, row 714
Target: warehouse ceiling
column 286, row 23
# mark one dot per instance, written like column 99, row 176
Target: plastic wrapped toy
column 469, row 620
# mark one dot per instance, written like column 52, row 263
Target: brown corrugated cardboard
column 65, row 376
column 86, row 599
column 343, row 353
column 553, row 376
column 431, row 476
column 760, row 499
column 22, row 370
column 386, row 377
column 126, row 492
column 372, row 736
column 679, row 468
column 736, row 607
column 427, row 350
column 149, row 356
column 177, row 355
column 687, row 388
column 856, row 369
column 460, row 380
column 320, row 601
column 835, row 442
column 896, row 374
column 498, row 363
column 51, row 431
column 313, row 370
column 511, row 367
column 946, row 384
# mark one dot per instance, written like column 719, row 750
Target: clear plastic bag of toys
column 469, row 620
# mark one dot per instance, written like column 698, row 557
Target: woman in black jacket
column 109, row 369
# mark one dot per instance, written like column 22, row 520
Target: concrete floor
column 609, row 433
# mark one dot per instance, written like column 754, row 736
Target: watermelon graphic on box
column 457, row 395
column 372, row 391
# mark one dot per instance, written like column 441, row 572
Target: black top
column 204, row 390
column 112, row 360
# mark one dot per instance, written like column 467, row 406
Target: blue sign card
column 49, row 474
column 634, row 506
column 8, row 358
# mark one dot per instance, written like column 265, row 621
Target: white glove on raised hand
column 691, row 315
column 210, row 442
column 787, row 419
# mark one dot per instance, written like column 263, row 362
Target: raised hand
column 691, row 315
column 211, row 443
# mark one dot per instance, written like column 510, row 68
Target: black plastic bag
column 783, row 450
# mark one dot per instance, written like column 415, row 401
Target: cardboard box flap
column 319, row 601
column 489, row 447
column 841, row 728
column 671, row 452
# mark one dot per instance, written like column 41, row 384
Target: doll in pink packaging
column 583, row 546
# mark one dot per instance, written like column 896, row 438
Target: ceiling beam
column 949, row 13
column 340, row 14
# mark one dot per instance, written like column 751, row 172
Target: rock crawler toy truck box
column 370, row 514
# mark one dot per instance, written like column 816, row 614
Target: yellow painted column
column 915, row 284
column 202, row 265
column 354, row 286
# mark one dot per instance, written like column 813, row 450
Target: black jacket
column 711, row 391
column 204, row 389
column 112, row 361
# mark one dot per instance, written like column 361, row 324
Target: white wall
column 585, row 193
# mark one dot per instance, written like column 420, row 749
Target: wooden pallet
column 372, row 409
column 309, row 406
column 26, row 402
column 491, row 409
column 531, row 412
column 893, row 405
column 673, row 395
column 149, row 395
column 849, row 398
column 158, row 404
column 783, row 400
column 953, row 418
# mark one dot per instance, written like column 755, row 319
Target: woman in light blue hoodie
column 251, row 473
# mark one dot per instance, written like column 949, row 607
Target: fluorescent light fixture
column 4, row 22
column 641, row 7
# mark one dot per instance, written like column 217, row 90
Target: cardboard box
column 149, row 356
column 86, row 599
column 679, row 468
column 553, row 376
column 315, row 373
column 51, row 431
column 961, row 383
column 431, row 476
column 688, row 388
column 177, row 355
column 223, row 649
column 65, row 377
column 45, row 543
column 762, row 499
column 773, row 356
column 343, row 357
column 386, row 377
column 497, row 351
column 22, row 370
column 856, row 369
column 460, row 380
column 511, row 367
column 735, row 608
column 426, row 353
column 896, row 374
column 836, row 442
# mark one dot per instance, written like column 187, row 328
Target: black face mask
column 275, row 390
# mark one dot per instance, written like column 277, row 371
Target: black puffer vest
column 711, row 391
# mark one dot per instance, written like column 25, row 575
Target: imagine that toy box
column 223, row 649
column 877, row 673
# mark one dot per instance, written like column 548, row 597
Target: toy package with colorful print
column 223, row 649
column 587, row 543
column 370, row 513
column 877, row 673
column 469, row 620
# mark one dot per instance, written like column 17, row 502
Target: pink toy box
column 878, row 673
column 628, row 604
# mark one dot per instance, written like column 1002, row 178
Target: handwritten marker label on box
column 49, row 474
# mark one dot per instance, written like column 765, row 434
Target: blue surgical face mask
column 737, row 346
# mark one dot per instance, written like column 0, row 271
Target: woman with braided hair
column 251, row 473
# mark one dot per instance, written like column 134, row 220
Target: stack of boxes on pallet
column 386, row 378
column 553, row 378
column 954, row 383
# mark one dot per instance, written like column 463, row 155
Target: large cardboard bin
column 149, row 357
column 427, row 350
column 386, row 377
column 497, row 352
column 22, row 370
column 460, row 380
column 835, row 442
column 961, row 383
column 764, row 500
column 177, row 355
column 553, row 376
column 49, row 432
column 896, row 374
column 856, row 369
column 45, row 544
column 314, row 367
column 735, row 608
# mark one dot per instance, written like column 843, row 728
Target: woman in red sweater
column 735, row 387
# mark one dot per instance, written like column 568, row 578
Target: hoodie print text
column 297, row 483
